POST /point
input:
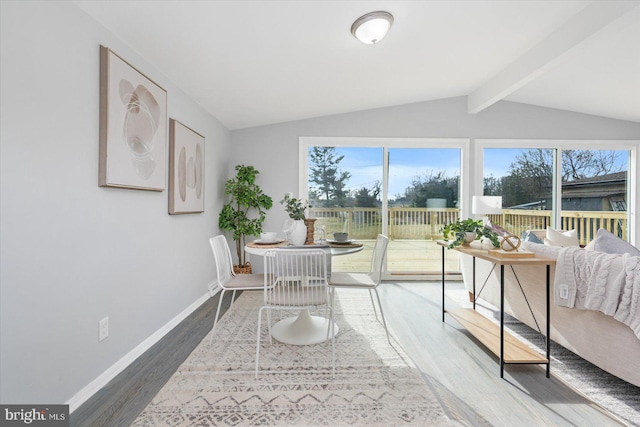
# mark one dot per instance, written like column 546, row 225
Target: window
column 405, row 189
column 408, row 188
column 572, row 186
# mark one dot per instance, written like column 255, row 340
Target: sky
column 405, row 164
column 365, row 165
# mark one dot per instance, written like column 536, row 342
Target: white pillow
column 561, row 238
column 591, row 246
column 608, row 242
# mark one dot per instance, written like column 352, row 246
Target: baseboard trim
column 103, row 379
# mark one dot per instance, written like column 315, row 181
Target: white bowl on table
column 268, row 236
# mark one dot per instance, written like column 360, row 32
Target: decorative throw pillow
column 608, row 242
column 591, row 246
column 529, row 236
column 561, row 238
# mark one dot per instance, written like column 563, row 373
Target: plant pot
column 245, row 269
column 298, row 233
column 469, row 236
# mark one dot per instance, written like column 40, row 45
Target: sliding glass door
column 423, row 195
column 407, row 193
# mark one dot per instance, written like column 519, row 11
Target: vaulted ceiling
column 252, row 63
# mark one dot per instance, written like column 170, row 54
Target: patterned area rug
column 376, row 384
column 608, row 391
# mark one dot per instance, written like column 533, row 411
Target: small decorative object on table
column 322, row 235
column 510, row 242
column 310, row 223
column 509, row 246
column 295, row 208
column 467, row 230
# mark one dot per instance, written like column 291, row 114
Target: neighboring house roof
column 601, row 179
column 603, row 186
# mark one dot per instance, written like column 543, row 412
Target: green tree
column 492, row 186
column 368, row 198
column 433, row 185
column 328, row 181
column 246, row 210
column 530, row 178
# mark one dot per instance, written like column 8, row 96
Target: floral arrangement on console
column 475, row 228
column 294, row 207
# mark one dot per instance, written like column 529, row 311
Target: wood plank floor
column 463, row 367
column 122, row 400
column 458, row 366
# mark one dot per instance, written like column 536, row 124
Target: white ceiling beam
column 548, row 53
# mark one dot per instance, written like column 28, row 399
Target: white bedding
column 592, row 280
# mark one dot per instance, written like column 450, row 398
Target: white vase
column 470, row 236
column 298, row 233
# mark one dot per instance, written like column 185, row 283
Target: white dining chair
column 369, row 281
column 227, row 279
column 299, row 283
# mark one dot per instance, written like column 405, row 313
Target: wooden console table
column 508, row 348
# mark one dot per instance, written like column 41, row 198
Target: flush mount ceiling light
column 372, row 27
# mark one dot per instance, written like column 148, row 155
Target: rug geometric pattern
column 376, row 384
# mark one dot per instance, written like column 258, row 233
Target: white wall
column 269, row 148
column 72, row 252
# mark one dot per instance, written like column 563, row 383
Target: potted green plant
column 245, row 212
column 465, row 231
column 296, row 227
column 294, row 207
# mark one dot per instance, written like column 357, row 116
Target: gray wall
column 71, row 252
column 273, row 149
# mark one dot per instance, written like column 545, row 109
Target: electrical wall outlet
column 564, row 291
column 103, row 332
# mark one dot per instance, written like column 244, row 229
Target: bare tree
column 531, row 174
column 579, row 164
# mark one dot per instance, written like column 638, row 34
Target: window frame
column 558, row 145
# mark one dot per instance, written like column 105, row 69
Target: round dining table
column 260, row 249
column 304, row 329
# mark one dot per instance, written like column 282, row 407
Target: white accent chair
column 227, row 279
column 369, row 281
column 299, row 283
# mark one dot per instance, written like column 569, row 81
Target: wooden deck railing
column 425, row 223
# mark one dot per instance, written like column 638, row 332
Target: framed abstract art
column 186, row 169
column 133, row 127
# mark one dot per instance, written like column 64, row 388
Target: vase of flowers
column 297, row 230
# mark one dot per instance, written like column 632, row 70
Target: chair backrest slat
column 377, row 258
column 300, row 277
